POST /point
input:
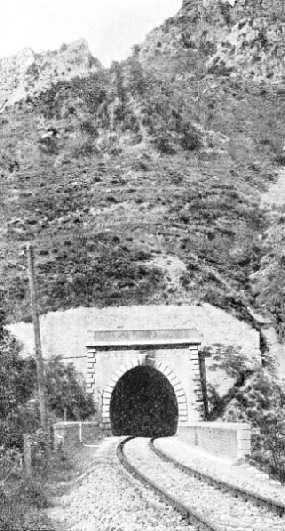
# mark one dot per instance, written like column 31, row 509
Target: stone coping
column 141, row 343
column 219, row 425
column 63, row 423
column 142, row 333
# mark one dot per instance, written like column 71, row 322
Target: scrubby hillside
column 141, row 184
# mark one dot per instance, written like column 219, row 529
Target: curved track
column 184, row 510
column 259, row 500
column 208, row 504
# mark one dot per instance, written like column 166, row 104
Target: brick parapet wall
column 232, row 440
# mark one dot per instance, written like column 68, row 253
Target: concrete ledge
column 231, row 440
column 132, row 334
column 138, row 344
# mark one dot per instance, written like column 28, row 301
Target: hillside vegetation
column 160, row 160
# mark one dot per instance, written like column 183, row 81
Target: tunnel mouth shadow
column 143, row 404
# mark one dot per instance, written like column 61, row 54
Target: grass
column 22, row 504
column 24, row 501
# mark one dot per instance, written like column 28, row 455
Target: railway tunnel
column 143, row 403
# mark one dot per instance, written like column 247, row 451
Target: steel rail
column 259, row 500
column 189, row 514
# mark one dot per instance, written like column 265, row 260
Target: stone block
column 168, row 373
column 91, row 362
column 91, row 353
column 181, row 399
column 174, row 381
column 179, row 392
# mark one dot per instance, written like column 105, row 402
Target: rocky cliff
column 236, row 38
column 27, row 73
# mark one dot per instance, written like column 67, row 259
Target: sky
column 111, row 27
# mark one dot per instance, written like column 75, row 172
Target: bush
column 89, row 128
column 190, row 139
column 164, row 144
column 30, row 492
column 10, row 461
column 82, row 147
column 17, row 384
column 21, row 502
column 280, row 159
column 260, row 401
column 66, row 392
column 257, row 398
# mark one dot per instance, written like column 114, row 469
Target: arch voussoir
column 161, row 367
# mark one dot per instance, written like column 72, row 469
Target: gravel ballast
column 240, row 475
column 220, row 509
column 106, row 498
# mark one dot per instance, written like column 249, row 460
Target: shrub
column 164, row 144
column 88, row 128
column 82, row 147
column 30, row 492
column 10, row 461
column 280, row 159
column 260, row 401
column 190, row 139
column 66, row 392
column 17, row 384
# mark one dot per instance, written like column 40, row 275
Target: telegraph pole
column 38, row 348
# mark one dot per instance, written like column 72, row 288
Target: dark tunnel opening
column 144, row 404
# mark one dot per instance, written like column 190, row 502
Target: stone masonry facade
column 180, row 367
column 68, row 332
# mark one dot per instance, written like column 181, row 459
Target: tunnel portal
column 144, row 404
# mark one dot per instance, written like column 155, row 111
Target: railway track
column 202, row 501
column 259, row 500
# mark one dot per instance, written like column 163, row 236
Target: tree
column 137, row 80
column 260, row 402
column 18, row 378
column 117, row 70
column 19, row 405
column 67, row 392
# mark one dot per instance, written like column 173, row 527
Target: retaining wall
column 231, row 440
column 66, row 333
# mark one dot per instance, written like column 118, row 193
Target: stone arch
column 164, row 369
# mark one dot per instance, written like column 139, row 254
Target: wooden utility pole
column 203, row 379
column 38, row 348
column 27, row 455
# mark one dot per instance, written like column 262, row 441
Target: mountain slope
column 141, row 184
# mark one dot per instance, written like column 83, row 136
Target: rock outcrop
column 28, row 73
column 235, row 37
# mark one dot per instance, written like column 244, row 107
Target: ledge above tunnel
column 137, row 339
